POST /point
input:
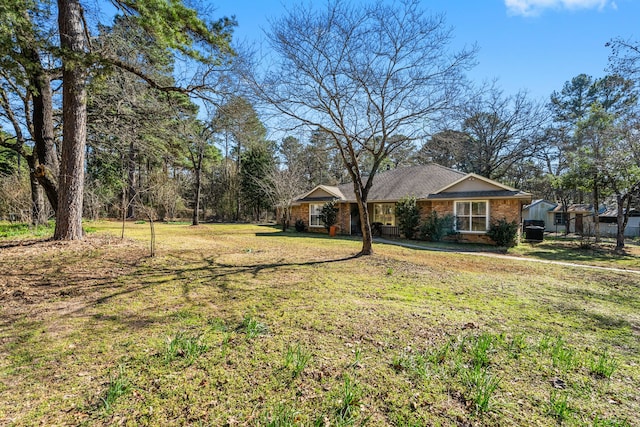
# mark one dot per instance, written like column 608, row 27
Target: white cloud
column 535, row 7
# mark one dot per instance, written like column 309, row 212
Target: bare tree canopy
column 624, row 59
column 363, row 75
column 503, row 131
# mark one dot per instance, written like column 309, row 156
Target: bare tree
column 362, row 75
column 494, row 133
column 283, row 187
column 14, row 196
column 444, row 148
column 198, row 139
column 503, row 131
column 624, row 59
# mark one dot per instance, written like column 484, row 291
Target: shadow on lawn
column 307, row 235
column 211, row 271
column 25, row 242
column 571, row 251
column 620, row 332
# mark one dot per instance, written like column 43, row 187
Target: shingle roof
column 537, row 201
column 613, row 212
column 421, row 181
column 418, row 181
column 577, row 207
column 497, row 194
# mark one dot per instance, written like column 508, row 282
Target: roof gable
column 323, row 192
column 473, row 182
column 542, row 202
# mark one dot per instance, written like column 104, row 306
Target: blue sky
column 535, row 45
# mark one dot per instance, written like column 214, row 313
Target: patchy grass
column 21, row 230
column 564, row 249
column 246, row 325
column 573, row 250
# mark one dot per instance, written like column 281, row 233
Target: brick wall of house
column 511, row 210
column 344, row 218
column 507, row 209
column 343, row 224
column 442, row 207
column 300, row 212
column 425, row 208
column 498, row 209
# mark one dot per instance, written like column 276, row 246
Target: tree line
column 159, row 113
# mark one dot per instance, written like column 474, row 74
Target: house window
column 384, row 213
column 314, row 215
column 472, row 216
column 560, row 218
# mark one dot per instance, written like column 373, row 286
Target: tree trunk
column 44, row 134
column 38, row 211
column 198, row 184
column 237, row 179
column 365, row 226
column 131, row 181
column 124, row 211
column 49, row 183
column 621, row 219
column 44, row 138
column 620, row 224
column 285, row 218
column 74, row 116
column 42, row 120
column 596, row 214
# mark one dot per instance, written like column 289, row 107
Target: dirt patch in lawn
column 42, row 277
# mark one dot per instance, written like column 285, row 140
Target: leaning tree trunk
column 48, row 169
column 45, row 156
column 74, row 116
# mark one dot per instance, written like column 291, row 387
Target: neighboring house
column 538, row 210
column 609, row 223
column 475, row 201
column 578, row 217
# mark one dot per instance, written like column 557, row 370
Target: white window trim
column 455, row 214
column 310, row 211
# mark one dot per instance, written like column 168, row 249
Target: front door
column 355, row 219
column 579, row 226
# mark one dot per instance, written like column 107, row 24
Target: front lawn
column 246, row 325
column 582, row 251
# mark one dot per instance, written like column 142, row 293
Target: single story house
column 609, row 223
column 577, row 217
column 473, row 200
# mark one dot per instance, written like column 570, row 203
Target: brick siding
column 344, row 216
column 498, row 209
